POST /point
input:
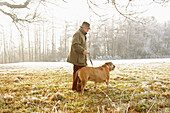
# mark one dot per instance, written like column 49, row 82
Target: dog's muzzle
column 113, row 67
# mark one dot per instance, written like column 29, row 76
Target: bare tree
column 4, row 50
column 53, row 42
column 29, row 44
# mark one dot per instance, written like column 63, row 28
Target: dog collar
column 107, row 68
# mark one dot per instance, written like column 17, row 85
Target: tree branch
column 163, row 2
column 92, row 8
column 15, row 6
column 16, row 19
column 124, row 15
column 9, row 14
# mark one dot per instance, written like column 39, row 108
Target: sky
column 78, row 10
column 160, row 13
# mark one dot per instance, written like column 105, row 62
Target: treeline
column 109, row 39
column 35, row 43
column 130, row 40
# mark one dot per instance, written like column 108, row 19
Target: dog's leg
column 95, row 85
column 107, row 82
column 83, row 85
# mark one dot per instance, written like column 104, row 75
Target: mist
column 112, row 36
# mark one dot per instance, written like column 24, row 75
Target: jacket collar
column 82, row 31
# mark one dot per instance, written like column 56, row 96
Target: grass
column 134, row 88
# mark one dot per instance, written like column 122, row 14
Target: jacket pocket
column 81, row 59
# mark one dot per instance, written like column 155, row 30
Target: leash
column 90, row 59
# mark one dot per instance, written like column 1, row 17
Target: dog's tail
column 75, row 80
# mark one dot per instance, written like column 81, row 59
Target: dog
column 96, row 74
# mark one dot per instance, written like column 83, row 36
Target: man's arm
column 76, row 43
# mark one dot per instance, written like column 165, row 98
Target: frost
column 8, row 97
column 46, row 87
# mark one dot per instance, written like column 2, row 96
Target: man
column 77, row 55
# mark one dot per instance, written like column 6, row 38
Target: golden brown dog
column 96, row 74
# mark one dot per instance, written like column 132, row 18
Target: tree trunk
column 29, row 45
column 5, row 53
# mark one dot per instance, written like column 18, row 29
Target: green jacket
column 76, row 56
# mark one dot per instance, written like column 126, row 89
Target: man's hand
column 85, row 52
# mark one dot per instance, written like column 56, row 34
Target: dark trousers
column 75, row 68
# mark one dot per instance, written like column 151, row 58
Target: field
column 134, row 88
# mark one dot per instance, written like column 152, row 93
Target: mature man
column 77, row 55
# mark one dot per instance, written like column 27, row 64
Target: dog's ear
column 109, row 63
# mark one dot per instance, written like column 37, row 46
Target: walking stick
column 90, row 59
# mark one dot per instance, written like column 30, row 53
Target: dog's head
column 110, row 65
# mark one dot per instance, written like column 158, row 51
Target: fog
column 42, row 31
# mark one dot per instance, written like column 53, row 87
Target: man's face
column 86, row 30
